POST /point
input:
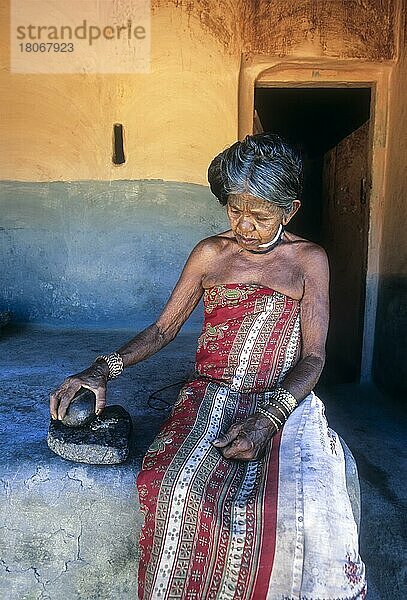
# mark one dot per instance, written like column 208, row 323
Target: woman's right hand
column 93, row 378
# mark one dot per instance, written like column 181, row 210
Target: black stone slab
column 104, row 441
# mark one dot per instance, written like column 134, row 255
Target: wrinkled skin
column 246, row 440
column 94, row 378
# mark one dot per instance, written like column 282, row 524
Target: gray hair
column 262, row 165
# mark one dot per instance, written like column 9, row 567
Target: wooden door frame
column 263, row 71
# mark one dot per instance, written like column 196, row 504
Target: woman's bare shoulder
column 300, row 244
column 208, row 251
column 215, row 243
column 311, row 257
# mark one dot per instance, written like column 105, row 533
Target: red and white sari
column 278, row 528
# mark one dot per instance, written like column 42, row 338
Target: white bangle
column 283, row 396
column 280, row 399
column 114, row 362
column 271, row 418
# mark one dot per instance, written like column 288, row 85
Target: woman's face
column 255, row 221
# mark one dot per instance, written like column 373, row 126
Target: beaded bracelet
column 114, row 362
column 282, row 400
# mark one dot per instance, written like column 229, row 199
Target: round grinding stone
column 81, row 411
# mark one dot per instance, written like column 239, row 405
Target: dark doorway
column 330, row 126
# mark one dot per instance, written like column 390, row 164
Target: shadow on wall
column 104, row 254
column 390, row 367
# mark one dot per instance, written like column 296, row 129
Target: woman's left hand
column 246, row 440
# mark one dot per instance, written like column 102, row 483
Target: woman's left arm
column 301, row 379
column 246, row 440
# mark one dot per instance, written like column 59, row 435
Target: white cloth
column 317, row 538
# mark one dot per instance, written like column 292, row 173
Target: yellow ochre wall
column 176, row 118
column 395, row 207
column 391, row 321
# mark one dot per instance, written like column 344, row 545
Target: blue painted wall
column 104, row 254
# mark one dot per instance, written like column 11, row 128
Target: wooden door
column 346, row 186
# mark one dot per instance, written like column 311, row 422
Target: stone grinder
column 84, row 437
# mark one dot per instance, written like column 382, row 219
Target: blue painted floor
column 34, row 361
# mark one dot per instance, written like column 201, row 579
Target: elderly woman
column 244, row 490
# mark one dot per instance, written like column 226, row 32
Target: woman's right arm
column 180, row 305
